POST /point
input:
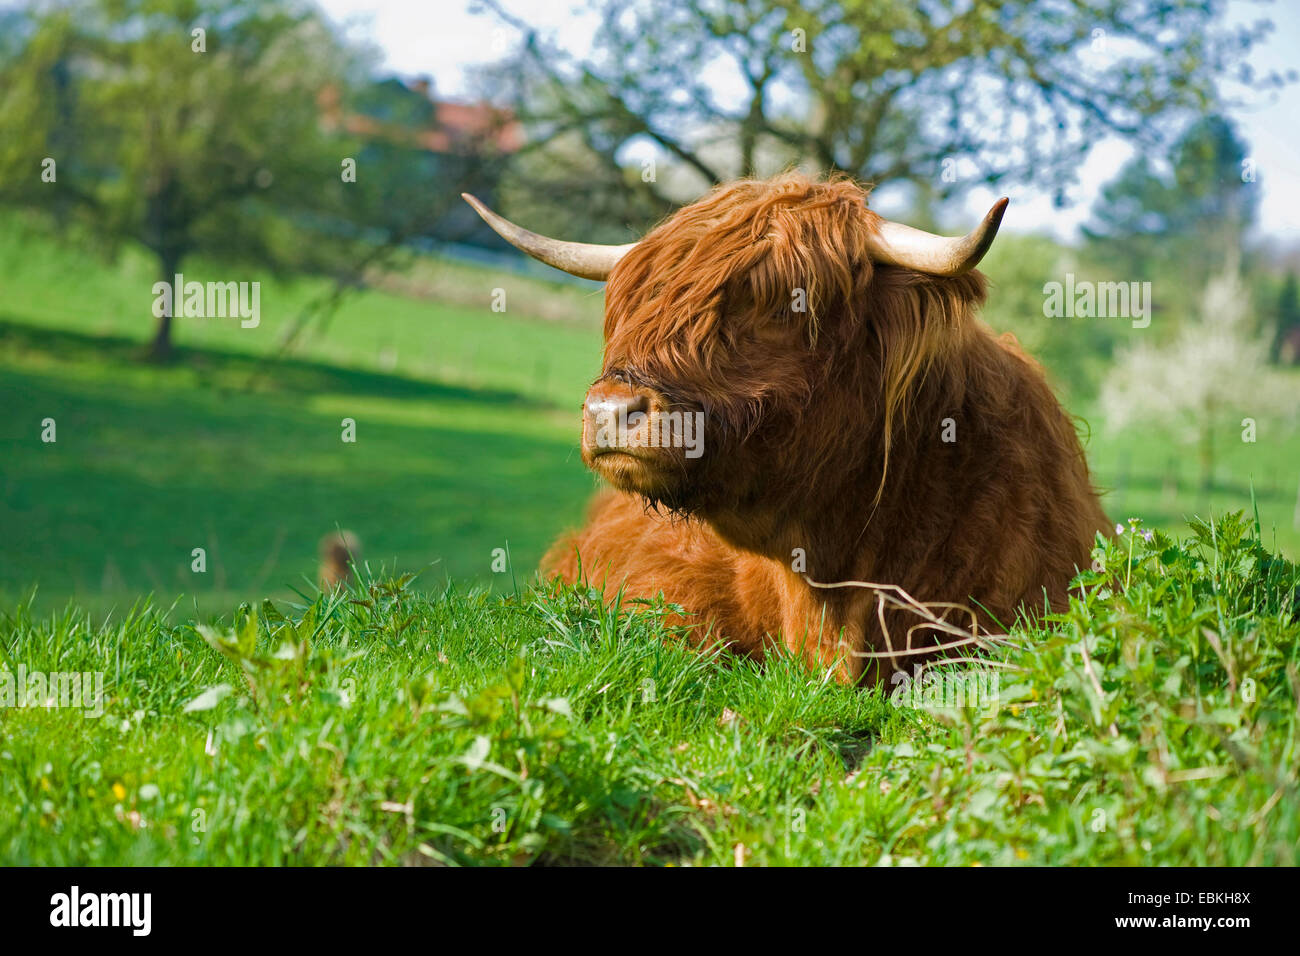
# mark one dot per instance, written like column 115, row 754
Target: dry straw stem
column 895, row 596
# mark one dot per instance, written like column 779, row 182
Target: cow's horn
column 576, row 258
column 900, row 245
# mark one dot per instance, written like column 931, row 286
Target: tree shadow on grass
column 151, row 463
column 241, row 372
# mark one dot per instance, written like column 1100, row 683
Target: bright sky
column 441, row 38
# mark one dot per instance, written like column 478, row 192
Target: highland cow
column 860, row 423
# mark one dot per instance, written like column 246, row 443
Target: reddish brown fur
column 338, row 551
column 823, row 433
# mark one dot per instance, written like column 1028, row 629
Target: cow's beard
column 668, row 481
column 674, row 486
column 663, row 478
column 743, row 487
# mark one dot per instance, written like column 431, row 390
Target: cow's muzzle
column 615, row 419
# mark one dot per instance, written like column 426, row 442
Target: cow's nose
column 615, row 399
column 606, row 414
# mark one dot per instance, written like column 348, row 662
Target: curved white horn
column 585, row 259
column 900, row 245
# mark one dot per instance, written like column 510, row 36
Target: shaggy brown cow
column 859, row 424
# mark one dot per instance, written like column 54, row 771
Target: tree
column 186, row 126
column 1183, row 223
column 933, row 92
column 1213, row 366
column 404, row 190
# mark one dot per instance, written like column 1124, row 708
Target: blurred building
column 421, row 146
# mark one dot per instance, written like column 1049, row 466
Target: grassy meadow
column 441, row 713
column 1156, row 722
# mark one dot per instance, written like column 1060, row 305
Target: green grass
column 151, row 464
column 50, row 286
column 1155, row 722
column 1147, row 474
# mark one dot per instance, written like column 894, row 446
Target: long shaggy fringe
column 788, row 250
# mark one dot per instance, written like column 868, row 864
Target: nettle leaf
column 224, row 643
column 478, row 752
column 558, row 705
column 307, row 626
column 209, row 699
column 982, row 802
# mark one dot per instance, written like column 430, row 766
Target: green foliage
column 1286, row 320
column 1075, row 352
column 402, row 188
column 938, row 94
column 1152, row 721
column 180, row 143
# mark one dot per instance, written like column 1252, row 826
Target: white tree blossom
column 1216, row 364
